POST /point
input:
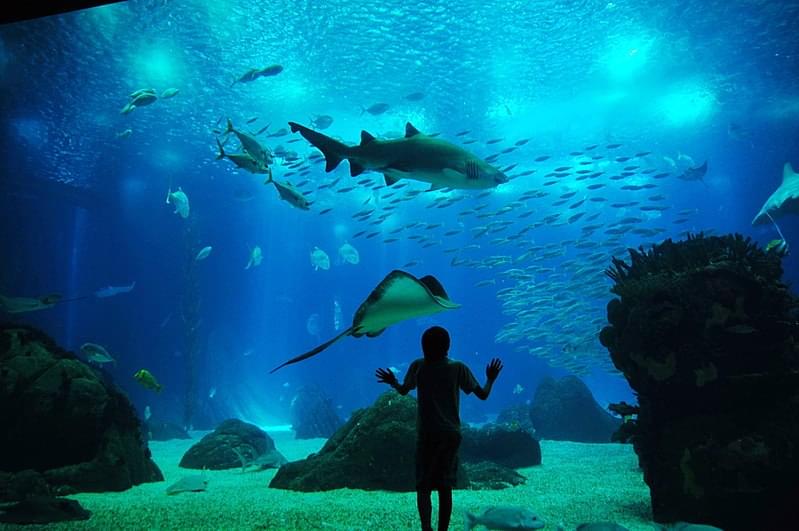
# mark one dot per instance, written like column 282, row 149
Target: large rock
column 376, row 450
column 565, row 410
column 517, row 416
column 707, row 335
column 232, row 444
column 64, row 429
column 501, row 444
column 312, row 414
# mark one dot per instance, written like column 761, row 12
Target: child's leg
column 425, row 506
column 444, row 508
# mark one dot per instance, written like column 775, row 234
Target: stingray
column 784, row 200
column 194, row 483
column 398, row 297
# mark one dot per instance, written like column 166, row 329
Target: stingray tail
column 315, row 351
column 333, row 150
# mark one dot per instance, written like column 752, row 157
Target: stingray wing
column 398, row 297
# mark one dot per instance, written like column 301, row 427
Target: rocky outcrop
column 64, row 428
column 517, row 416
column 376, row 450
column 565, row 410
column 232, row 444
column 500, row 444
column 312, row 414
column 707, row 335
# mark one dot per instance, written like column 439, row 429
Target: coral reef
column 64, row 428
column 232, row 444
column 707, row 336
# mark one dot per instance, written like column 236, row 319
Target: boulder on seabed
column 565, row 410
column 65, row 429
column 233, row 444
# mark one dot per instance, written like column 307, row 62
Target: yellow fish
column 147, row 380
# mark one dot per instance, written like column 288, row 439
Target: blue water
column 82, row 209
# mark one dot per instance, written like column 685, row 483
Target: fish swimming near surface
column 254, row 73
column 415, row 156
column 110, row 291
column 696, row 173
column 784, row 200
column 504, row 519
column 398, row 297
column 348, row 254
column 169, row 93
column 322, row 121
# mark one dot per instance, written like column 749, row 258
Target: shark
column 415, row 156
column 784, row 200
column 398, row 297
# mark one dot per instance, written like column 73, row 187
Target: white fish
column 256, row 255
column 180, row 200
column 518, row 389
column 212, row 392
column 147, row 413
column 204, row 252
column 169, row 93
column 349, row 254
column 319, row 259
column 110, row 291
column 96, row 353
column 504, row 518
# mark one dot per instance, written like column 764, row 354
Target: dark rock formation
column 517, row 416
column 565, row 410
column 43, row 510
column 164, row 431
column 312, row 414
column 63, row 426
column 487, row 475
column 232, row 444
column 513, row 448
column 708, row 337
column 376, row 450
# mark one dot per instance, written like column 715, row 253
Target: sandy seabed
column 576, row 483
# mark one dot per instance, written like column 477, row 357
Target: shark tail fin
column 315, row 351
column 221, row 154
column 333, row 150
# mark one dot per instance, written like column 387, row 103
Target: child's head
column 435, row 343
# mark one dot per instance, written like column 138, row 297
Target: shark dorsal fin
column 787, row 172
column 366, row 138
column 410, row 130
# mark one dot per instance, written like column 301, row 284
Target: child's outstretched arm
column 388, row 377
column 492, row 371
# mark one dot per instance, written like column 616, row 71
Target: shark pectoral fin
column 355, row 169
column 410, row 130
column 315, row 351
column 390, row 180
column 375, row 333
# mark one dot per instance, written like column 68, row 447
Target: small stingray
column 195, row 483
column 784, row 200
column 398, row 297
